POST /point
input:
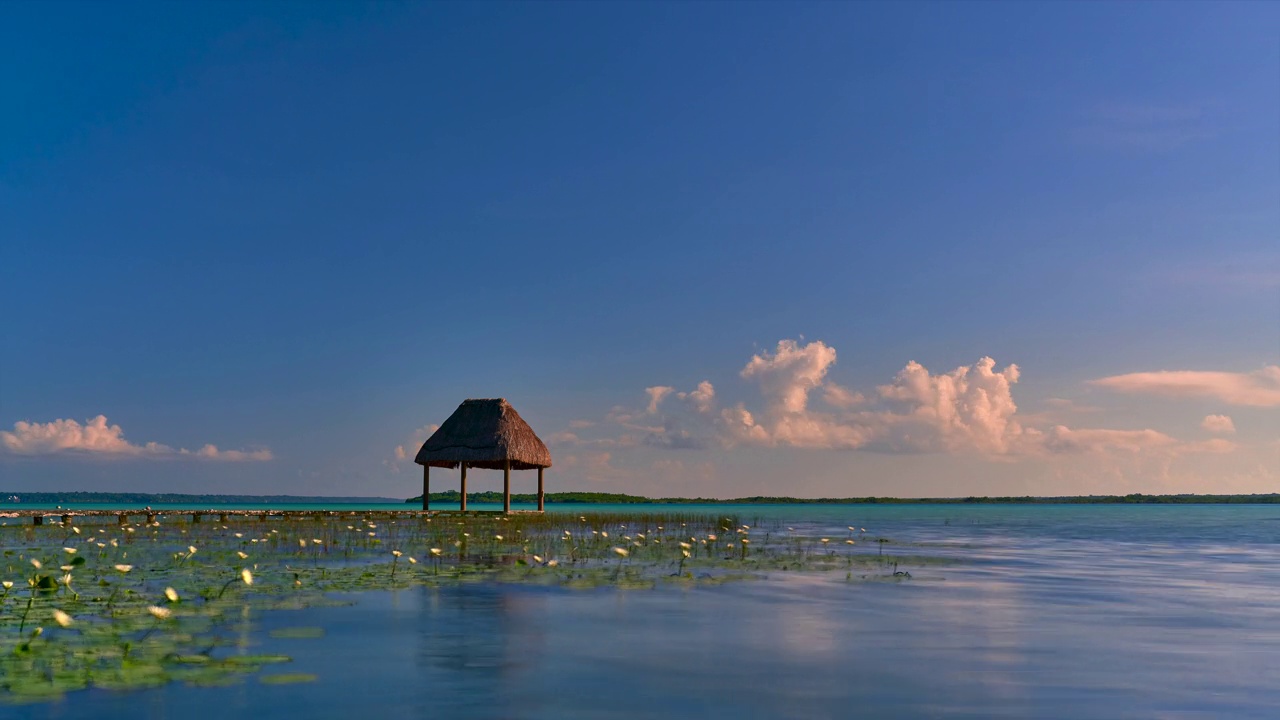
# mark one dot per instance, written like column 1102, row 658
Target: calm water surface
column 1054, row 612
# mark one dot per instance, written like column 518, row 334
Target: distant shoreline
column 44, row 498
column 574, row 498
column 595, row 498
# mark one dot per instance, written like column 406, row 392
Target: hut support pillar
column 540, row 507
column 464, row 486
column 506, row 486
column 426, row 486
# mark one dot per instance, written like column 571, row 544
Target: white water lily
column 8, row 584
column 622, row 552
column 124, row 568
column 243, row 556
column 69, row 550
column 171, row 594
column 397, row 553
column 36, row 564
column 436, row 552
column 246, row 576
column 62, row 618
column 160, row 613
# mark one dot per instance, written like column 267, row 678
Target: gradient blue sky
column 303, row 232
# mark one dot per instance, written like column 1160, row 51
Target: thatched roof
column 483, row 434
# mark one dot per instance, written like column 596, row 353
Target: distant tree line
column 453, row 496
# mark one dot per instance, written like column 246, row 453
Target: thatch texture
column 484, row 434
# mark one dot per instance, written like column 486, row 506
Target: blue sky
column 302, row 232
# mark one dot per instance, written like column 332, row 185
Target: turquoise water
column 1053, row 612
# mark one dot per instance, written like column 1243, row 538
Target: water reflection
column 1032, row 626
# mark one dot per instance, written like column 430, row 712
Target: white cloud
column 1218, row 424
column 970, row 409
column 1260, row 388
column 967, row 408
column 213, row 453
column 656, row 394
column 786, row 377
column 1062, row 439
column 97, row 437
column 703, row 397
column 841, row 397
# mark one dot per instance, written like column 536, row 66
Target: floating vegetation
column 140, row 605
column 286, row 678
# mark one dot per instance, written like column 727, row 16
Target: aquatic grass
column 144, row 614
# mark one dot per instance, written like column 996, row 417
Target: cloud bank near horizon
column 970, row 409
column 96, row 437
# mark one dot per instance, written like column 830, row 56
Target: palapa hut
column 484, row 434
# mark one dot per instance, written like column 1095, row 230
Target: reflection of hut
column 484, row 434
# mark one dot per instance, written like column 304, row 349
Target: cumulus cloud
column 1260, row 388
column 1218, row 424
column 788, row 374
column 841, row 397
column 656, row 394
column 98, row 437
column 969, row 409
column 702, row 398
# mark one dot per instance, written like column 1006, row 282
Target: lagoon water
column 1070, row 611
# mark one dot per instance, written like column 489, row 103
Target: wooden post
column 151, row 517
column 222, row 517
column 464, row 487
column 37, row 519
column 506, row 485
column 66, row 521
column 540, row 507
column 122, row 520
column 426, row 486
column 195, row 517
